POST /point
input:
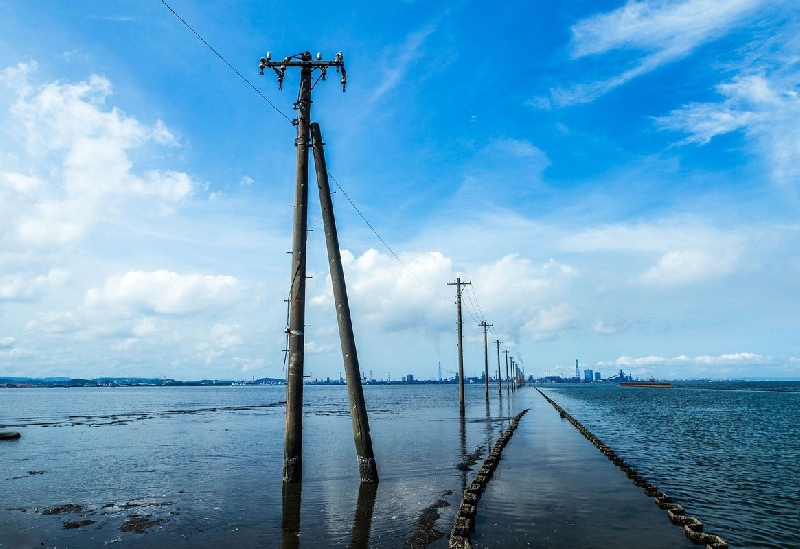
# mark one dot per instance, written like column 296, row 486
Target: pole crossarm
column 293, row 436
column 305, row 61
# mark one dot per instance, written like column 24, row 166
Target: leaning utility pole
column 485, row 357
column 293, row 438
column 458, row 285
column 499, row 380
column 355, row 392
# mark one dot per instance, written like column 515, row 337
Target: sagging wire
column 234, row 69
column 385, row 244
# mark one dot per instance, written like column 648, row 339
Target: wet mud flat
column 89, row 525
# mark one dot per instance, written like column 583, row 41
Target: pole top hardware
column 306, row 61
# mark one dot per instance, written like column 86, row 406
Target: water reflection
column 362, row 522
column 488, row 426
column 290, row 531
column 463, row 466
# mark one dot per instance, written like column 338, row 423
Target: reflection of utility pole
column 499, row 380
column 293, row 438
column 485, row 357
column 458, row 285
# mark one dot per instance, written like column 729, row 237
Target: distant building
column 409, row 378
column 597, row 376
column 588, row 376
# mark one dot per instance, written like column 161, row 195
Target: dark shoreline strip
column 465, row 516
column 692, row 527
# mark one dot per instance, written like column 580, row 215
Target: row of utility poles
column 516, row 370
column 309, row 135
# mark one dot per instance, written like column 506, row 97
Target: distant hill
column 125, row 382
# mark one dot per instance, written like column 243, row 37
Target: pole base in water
column 293, row 470
column 368, row 470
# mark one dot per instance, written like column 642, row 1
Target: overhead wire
column 234, row 69
column 475, row 311
column 385, row 244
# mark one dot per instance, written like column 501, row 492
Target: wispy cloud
column 400, row 61
column 652, row 33
column 766, row 109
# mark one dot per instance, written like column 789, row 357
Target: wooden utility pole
column 507, row 380
column 499, row 377
column 458, row 285
column 355, row 392
column 513, row 370
column 293, row 438
column 485, row 358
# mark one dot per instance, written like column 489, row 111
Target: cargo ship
column 649, row 384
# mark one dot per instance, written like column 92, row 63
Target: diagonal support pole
column 355, row 392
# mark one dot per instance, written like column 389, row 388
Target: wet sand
column 554, row 489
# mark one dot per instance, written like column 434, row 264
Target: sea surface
column 729, row 452
column 201, row 466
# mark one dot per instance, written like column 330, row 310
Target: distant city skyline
column 618, row 180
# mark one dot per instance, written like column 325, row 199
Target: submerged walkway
column 554, row 489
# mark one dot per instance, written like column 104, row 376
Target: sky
column 619, row 181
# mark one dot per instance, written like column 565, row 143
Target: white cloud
column 517, row 147
column 392, row 297
column 725, row 365
column 688, row 250
column 125, row 345
column 611, row 328
column 54, row 322
column 527, row 295
column 249, row 364
column 76, row 166
column 6, row 342
column 20, row 287
column 550, row 320
column 399, row 63
column 318, row 348
column 17, row 353
column 684, row 266
column 724, row 359
column 659, row 31
column 670, row 27
column 220, row 339
column 766, row 109
column 145, row 326
column 163, row 292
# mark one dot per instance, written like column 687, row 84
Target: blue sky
column 618, row 180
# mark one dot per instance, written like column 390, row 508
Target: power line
column 391, row 251
column 271, row 104
column 240, row 75
column 478, row 305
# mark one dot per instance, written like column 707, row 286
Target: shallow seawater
column 728, row 452
column 202, row 465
